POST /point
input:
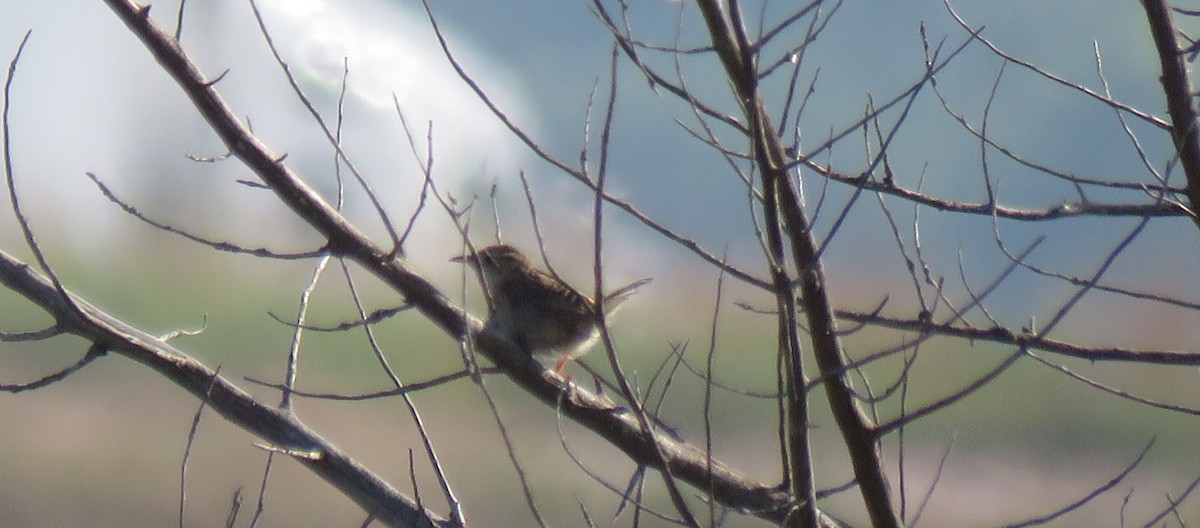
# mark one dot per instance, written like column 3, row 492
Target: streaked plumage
column 541, row 314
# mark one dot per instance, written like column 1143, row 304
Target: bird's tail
column 620, row 295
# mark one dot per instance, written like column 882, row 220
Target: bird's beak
column 463, row 258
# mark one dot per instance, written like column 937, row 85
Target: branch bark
column 737, row 56
column 280, row 429
column 1178, row 90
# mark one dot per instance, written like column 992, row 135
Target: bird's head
column 497, row 261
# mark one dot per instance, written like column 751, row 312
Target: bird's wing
column 561, row 302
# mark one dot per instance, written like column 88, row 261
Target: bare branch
column 1174, row 503
column 10, row 182
column 1158, row 209
column 1025, row 338
column 329, row 134
column 406, row 389
column 214, row 244
column 630, row 395
column 36, row 335
column 1178, row 89
column 293, row 357
column 366, row 320
column 94, row 352
column 187, row 450
column 975, row 34
column 234, row 404
column 1112, row 483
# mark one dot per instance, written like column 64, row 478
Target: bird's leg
column 558, row 368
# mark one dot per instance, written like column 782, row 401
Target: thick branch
column 770, row 158
column 280, row 429
column 1178, row 90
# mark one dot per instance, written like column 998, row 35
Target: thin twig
column 1173, row 504
column 575, row 173
column 367, row 320
column 36, row 335
column 597, row 240
column 937, row 477
column 426, row 167
column 293, row 356
column 215, row 244
column 1112, row 483
column 456, row 508
column 187, row 450
column 235, row 507
column 260, row 506
column 975, row 35
column 94, row 352
column 329, row 135
column 10, row 182
column 625, row 498
column 708, row 374
column 408, row 388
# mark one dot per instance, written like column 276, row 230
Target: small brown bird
column 537, row 311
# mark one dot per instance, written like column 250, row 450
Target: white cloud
column 129, row 123
column 392, row 52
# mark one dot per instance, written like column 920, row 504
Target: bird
column 539, row 312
